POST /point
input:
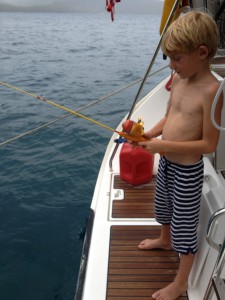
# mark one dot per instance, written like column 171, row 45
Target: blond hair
column 190, row 31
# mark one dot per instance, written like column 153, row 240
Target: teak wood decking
column 138, row 201
column 135, row 274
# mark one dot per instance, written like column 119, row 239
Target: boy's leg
column 163, row 242
column 180, row 284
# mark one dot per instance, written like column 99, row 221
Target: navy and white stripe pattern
column 177, row 202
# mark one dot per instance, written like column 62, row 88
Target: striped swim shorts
column 177, row 202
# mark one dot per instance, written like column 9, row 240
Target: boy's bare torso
column 185, row 117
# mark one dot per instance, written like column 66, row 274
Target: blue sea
column 47, row 178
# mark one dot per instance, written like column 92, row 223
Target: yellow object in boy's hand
column 132, row 128
column 133, row 131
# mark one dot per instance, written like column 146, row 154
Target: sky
column 139, row 6
column 27, row 2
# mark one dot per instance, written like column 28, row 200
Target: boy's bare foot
column 170, row 292
column 154, row 244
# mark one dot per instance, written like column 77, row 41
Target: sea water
column 47, row 178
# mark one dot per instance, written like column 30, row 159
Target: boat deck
column 134, row 274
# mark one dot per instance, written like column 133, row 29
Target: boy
column 187, row 133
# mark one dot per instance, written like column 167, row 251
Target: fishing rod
column 79, row 109
column 132, row 138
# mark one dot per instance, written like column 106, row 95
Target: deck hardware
column 118, row 194
column 220, row 262
column 211, row 226
column 219, row 286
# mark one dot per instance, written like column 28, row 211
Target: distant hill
column 140, row 6
column 58, row 7
column 126, row 6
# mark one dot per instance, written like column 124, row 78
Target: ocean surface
column 47, row 178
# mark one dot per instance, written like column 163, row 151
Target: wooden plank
column 141, row 277
column 135, row 274
column 139, row 298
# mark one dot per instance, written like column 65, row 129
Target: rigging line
column 121, row 89
column 58, row 106
column 168, row 22
column 33, row 130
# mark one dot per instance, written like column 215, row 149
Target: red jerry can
column 136, row 164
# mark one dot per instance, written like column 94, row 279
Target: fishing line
column 122, row 134
column 69, row 114
column 58, row 106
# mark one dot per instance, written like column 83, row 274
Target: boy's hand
column 153, row 146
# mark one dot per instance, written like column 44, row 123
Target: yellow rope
column 57, row 105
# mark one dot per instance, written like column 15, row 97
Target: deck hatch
column 138, row 201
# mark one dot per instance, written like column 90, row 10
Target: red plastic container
column 136, row 164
